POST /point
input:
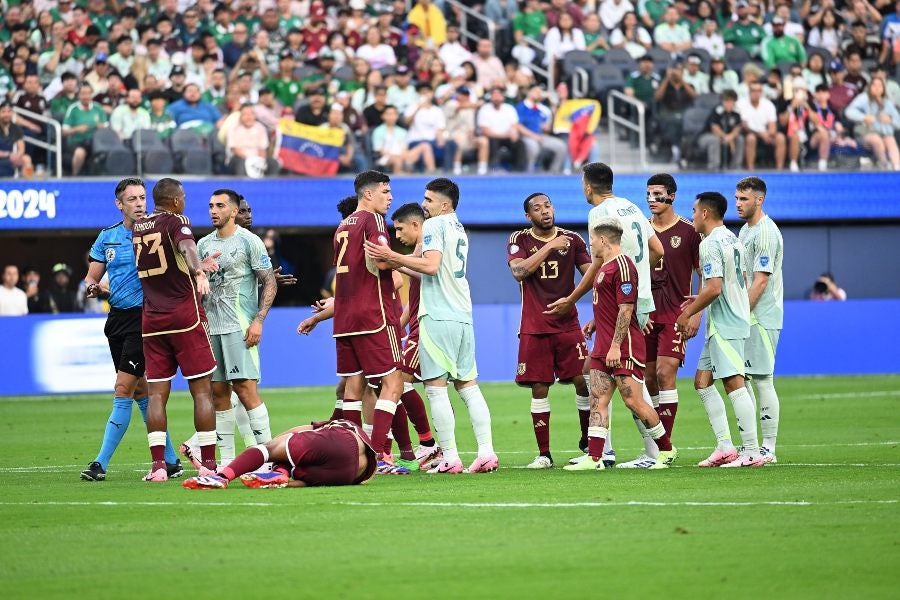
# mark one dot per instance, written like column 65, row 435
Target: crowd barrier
column 88, row 204
column 58, row 355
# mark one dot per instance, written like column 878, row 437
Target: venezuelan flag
column 307, row 149
column 584, row 111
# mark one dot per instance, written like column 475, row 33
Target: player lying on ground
column 323, row 453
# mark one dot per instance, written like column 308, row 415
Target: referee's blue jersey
column 113, row 247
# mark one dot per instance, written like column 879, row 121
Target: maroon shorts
column 411, row 357
column 189, row 350
column 372, row 354
column 544, row 358
column 663, row 340
column 627, row 368
column 327, row 456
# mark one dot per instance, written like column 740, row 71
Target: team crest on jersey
column 521, row 370
column 675, row 241
column 186, row 230
column 110, row 254
column 382, row 240
column 513, row 249
column 626, row 288
column 707, row 269
column 600, row 277
column 764, row 260
column 427, row 240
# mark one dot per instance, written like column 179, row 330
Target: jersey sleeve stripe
column 379, row 221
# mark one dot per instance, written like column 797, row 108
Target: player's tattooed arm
column 524, row 267
column 623, row 319
column 266, row 279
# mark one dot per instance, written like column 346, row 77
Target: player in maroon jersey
column 617, row 358
column 324, row 453
column 671, row 284
column 365, row 323
column 543, row 259
column 174, row 322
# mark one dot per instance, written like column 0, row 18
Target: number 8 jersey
column 445, row 296
column 171, row 302
column 636, row 234
column 722, row 255
column 362, row 291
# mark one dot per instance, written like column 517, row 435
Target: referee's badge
column 110, row 254
column 521, row 369
column 675, row 241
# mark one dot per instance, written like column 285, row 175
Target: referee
column 113, row 253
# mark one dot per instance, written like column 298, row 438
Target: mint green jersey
column 636, row 234
column 765, row 252
column 233, row 300
column 722, row 255
column 445, row 296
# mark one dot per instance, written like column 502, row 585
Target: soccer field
column 822, row 523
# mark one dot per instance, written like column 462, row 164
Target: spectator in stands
column 391, row 149
column 98, row 74
column 460, row 111
column 829, row 131
column 723, row 140
column 283, row 84
column 893, row 87
column 453, row 53
column 489, row 68
column 343, row 54
column 876, row 119
column 62, row 297
column 827, row 34
column 760, row 123
column 611, row 12
column 130, row 116
column 694, row 77
column 81, row 121
column 372, row 114
column 427, row 124
column 530, row 22
column 651, row 12
column 243, row 85
column 58, row 60
column 826, row 289
column 791, row 28
column 351, row 24
column 248, row 139
column 814, row 73
column 855, row 76
column 799, row 123
column 750, row 74
column 673, row 98
column 780, row 48
column 559, row 7
column 157, row 62
column 840, row 92
column 858, row 10
column 375, row 51
column 430, row 22
column 215, row 89
column 268, row 111
column 31, row 99
column 313, row 113
column 13, row 301
column 351, row 158
column 114, row 94
column 38, row 299
column 631, row 36
column 859, row 41
column 670, row 35
column 643, row 83
column 192, row 113
column 502, row 13
column 708, row 38
column 562, row 39
column 239, row 43
column 123, row 59
column 499, row 123
column 595, row 40
column 12, row 147
column 365, row 96
column 535, row 127
column 177, row 84
column 402, row 94
column 160, row 119
column 744, row 32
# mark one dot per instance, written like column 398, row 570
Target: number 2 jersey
column 554, row 279
column 363, row 294
column 171, row 301
column 671, row 279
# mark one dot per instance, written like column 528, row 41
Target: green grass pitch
column 823, row 523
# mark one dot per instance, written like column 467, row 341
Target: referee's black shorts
column 123, row 332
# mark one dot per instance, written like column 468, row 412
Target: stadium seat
column 191, row 153
column 604, row 79
column 619, row 57
column 708, row 100
column 704, row 57
column 386, row 71
column 344, row 73
column 693, row 125
column 578, row 59
column 825, row 52
column 736, row 57
column 306, row 70
column 661, row 58
column 155, row 156
column 109, row 156
column 785, row 67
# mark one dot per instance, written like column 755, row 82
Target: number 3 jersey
column 445, row 296
column 722, row 255
column 553, row 279
column 171, row 301
column 636, row 234
column 363, row 292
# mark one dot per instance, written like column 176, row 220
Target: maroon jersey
column 171, row 301
column 616, row 284
column 415, row 290
column 554, row 279
column 363, row 293
column 671, row 279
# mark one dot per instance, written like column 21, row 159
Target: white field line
column 779, row 465
column 638, row 503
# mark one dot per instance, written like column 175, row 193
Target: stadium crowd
column 732, row 83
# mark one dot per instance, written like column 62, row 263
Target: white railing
column 55, row 147
column 466, row 13
column 639, row 127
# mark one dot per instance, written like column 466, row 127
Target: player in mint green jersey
column 446, row 334
column 640, row 244
column 724, row 292
column 765, row 252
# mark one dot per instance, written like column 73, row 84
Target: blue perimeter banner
column 59, row 355
column 485, row 201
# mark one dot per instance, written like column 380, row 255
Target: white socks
column 667, row 397
column 225, row 435
column 539, row 405
column 746, row 418
column 769, row 410
column 715, row 411
column 650, row 448
column 480, row 416
column 243, row 421
column 444, row 421
column 259, row 423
